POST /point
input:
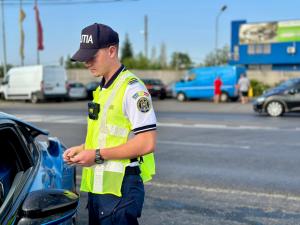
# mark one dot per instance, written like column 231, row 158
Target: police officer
column 117, row 157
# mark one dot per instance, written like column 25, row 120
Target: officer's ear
column 113, row 51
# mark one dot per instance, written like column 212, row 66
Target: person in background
column 243, row 87
column 217, row 88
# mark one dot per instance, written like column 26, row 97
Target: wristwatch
column 98, row 158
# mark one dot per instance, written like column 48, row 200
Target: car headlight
column 260, row 99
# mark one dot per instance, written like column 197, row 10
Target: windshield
column 288, row 83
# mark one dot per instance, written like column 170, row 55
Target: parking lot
column 216, row 163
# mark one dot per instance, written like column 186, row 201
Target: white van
column 34, row 83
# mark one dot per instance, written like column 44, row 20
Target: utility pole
column 146, row 35
column 37, row 40
column 224, row 7
column 3, row 39
column 21, row 18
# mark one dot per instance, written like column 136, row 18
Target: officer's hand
column 71, row 152
column 84, row 158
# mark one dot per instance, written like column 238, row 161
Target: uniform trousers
column 108, row 209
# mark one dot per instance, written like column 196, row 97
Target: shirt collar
column 112, row 79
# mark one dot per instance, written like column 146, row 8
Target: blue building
column 268, row 45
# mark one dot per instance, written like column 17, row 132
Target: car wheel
column 181, row 97
column 162, row 96
column 34, row 99
column 224, row 97
column 275, row 108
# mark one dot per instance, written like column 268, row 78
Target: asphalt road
column 216, row 164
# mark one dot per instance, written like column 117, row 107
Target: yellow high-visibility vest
column 110, row 130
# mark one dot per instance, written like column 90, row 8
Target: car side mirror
column 4, row 82
column 47, row 206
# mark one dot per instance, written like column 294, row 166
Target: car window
column 93, row 85
column 28, row 141
column 157, row 82
column 152, row 81
column 5, row 80
column 288, row 83
column 76, row 85
column 297, row 87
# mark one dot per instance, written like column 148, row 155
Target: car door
column 31, row 197
column 293, row 97
column 15, row 168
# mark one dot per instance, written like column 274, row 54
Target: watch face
column 99, row 161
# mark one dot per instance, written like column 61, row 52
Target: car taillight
column 149, row 86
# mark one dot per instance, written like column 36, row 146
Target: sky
column 186, row 26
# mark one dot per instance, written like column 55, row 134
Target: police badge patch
column 143, row 104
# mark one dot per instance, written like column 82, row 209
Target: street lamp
column 224, row 7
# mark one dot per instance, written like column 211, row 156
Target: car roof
column 32, row 129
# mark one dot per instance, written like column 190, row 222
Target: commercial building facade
column 266, row 45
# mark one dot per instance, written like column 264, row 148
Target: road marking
column 203, row 144
column 53, row 119
column 218, row 190
column 220, row 126
column 82, row 120
column 224, row 191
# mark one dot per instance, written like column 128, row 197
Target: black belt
column 133, row 160
column 132, row 170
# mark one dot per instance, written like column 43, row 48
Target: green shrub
column 258, row 87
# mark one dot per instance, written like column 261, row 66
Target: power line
column 63, row 2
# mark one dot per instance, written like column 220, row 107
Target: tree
column 163, row 56
column 153, row 55
column 180, row 61
column 217, row 57
column 126, row 51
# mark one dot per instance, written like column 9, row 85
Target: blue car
column 198, row 83
column 36, row 186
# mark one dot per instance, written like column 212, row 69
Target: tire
column 181, row 97
column 2, row 96
column 224, row 97
column 34, row 99
column 234, row 99
column 162, row 96
column 275, row 108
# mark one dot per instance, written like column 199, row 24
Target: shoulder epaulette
column 132, row 81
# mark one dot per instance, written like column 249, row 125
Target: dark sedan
column 36, row 186
column 90, row 87
column 156, row 88
column 280, row 99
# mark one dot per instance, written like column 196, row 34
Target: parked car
column 90, row 87
column 34, row 83
column 76, row 90
column 155, row 87
column 280, row 99
column 36, row 186
column 198, row 83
